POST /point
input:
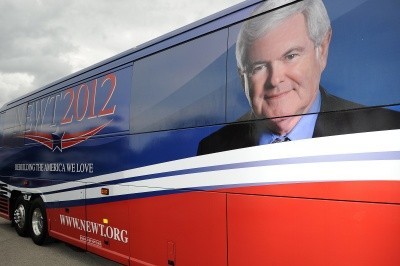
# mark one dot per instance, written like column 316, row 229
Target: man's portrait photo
column 281, row 53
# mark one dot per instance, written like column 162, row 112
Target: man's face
column 284, row 73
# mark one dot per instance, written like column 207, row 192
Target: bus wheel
column 20, row 219
column 38, row 228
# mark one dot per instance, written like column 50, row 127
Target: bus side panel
column 66, row 224
column 66, row 221
column 179, row 229
column 107, row 230
column 264, row 230
column 367, row 191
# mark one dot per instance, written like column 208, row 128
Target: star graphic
column 57, row 141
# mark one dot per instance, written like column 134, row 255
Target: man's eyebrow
column 298, row 49
column 258, row 62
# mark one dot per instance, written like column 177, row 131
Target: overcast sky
column 44, row 40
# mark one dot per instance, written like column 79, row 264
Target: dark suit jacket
column 331, row 120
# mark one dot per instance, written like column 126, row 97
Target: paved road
column 16, row 250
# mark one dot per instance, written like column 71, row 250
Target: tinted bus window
column 365, row 52
column 13, row 126
column 361, row 61
column 181, row 87
column 278, row 84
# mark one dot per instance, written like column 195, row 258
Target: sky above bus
column 44, row 40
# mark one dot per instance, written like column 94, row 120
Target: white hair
column 264, row 20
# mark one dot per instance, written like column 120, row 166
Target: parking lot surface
column 16, row 250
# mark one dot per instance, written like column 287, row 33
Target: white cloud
column 42, row 41
column 14, row 85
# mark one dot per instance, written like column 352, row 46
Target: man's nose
column 277, row 74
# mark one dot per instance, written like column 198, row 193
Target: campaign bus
column 265, row 134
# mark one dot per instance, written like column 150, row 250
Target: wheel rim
column 19, row 216
column 37, row 222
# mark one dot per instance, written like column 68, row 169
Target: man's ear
column 245, row 85
column 324, row 49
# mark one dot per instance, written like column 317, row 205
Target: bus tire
column 38, row 222
column 20, row 216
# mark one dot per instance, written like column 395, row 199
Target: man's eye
column 257, row 68
column 290, row 57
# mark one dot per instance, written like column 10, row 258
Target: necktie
column 281, row 139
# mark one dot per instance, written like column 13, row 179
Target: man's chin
column 282, row 125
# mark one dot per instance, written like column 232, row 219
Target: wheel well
column 14, row 196
column 34, row 196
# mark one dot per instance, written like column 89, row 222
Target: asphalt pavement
column 16, row 250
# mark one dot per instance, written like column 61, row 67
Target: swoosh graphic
column 67, row 140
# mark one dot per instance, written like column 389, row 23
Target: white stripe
column 315, row 172
column 277, row 174
column 65, row 196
